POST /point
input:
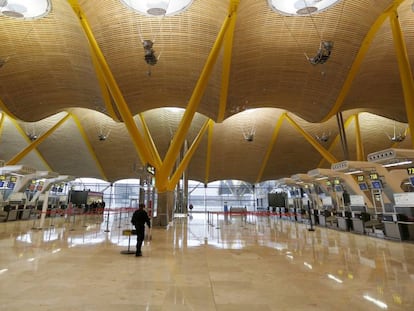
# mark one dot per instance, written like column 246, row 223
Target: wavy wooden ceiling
column 50, row 70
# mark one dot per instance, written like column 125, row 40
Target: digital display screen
column 412, row 180
column 338, row 188
column 1, row 184
column 360, row 178
column 363, row 186
column 410, row 170
column 373, row 176
column 376, row 184
column 10, row 185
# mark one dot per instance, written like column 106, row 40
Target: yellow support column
column 179, row 137
column 141, row 148
column 228, row 48
column 187, row 157
column 405, row 71
column 270, row 147
column 365, row 45
column 2, row 117
column 324, row 153
column 16, row 159
column 150, row 143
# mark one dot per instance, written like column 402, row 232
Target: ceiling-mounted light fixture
column 300, row 7
column 25, row 9
column 158, row 7
column 323, row 54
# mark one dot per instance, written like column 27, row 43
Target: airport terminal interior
column 270, row 141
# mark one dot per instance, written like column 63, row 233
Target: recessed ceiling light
column 300, row 7
column 158, row 7
column 25, row 9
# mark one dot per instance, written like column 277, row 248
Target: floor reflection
column 207, row 262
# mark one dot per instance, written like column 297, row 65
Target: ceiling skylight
column 157, row 7
column 300, row 7
column 25, row 9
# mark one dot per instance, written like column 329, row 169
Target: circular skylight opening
column 25, row 9
column 158, row 7
column 300, row 7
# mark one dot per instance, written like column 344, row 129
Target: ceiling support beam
column 405, row 71
column 208, row 155
column 337, row 138
column 270, row 147
column 25, row 136
column 89, row 146
column 228, row 48
column 180, row 135
column 323, row 152
column 187, row 157
column 358, row 140
column 2, row 117
column 140, row 146
column 365, row 45
column 4, row 108
column 105, row 92
column 150, row 143
column 18, row 157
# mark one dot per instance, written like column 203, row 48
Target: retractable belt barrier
column 129, row 233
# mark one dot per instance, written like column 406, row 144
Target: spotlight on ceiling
column 158, row 7
column 323, row 54
column 300, row 7
column 324, row 137
column 25, row 9
column 32, row 136
column 249, row 137
column 149, row 56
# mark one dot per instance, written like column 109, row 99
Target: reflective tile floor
column 200, row 263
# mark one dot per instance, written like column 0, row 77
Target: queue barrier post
column 128, row 232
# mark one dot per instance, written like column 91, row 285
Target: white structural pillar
column 44, row 210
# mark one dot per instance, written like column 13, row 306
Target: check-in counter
column 3, row 216
column 25, row 214
column 12, row 215
column 344, row 221
column 391, row 228
column 322, row 218
column 396, row 227
column 405, row 220
column 358, row 221
column 327, row 219
column 404, row 210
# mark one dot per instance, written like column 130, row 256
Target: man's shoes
column 138, row 254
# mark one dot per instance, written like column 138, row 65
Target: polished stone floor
column 200, row 262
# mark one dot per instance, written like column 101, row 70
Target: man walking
column 139, row 219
